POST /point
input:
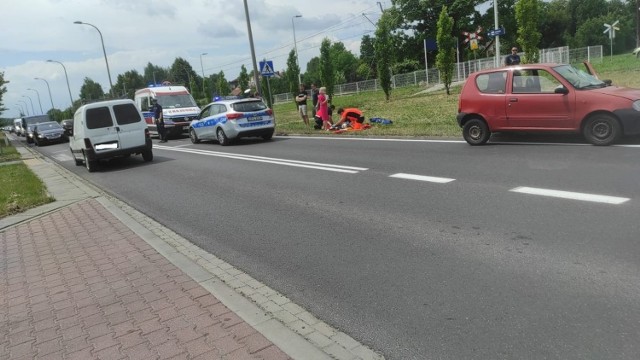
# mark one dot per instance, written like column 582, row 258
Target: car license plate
column 254, row 118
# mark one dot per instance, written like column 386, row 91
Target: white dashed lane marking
column 440, row 180
column 571, row 195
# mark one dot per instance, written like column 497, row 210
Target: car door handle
column 117, row 128
column 513, row 100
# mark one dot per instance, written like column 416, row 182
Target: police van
column 178, row 108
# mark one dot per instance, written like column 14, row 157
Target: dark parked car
column 67, row 126
column 546, row 98
column 48, row 132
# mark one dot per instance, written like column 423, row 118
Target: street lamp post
column 33, row 110
column 39, row 102
column 21, row 109
column 204, row 92
column 295, row 46
column 49, row 89
column 26, row 106
column 67, row 77
column 103, row 51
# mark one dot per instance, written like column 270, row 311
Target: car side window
column 98, row 118
column 535, row 81
column 205, row 112
column 492, row 83
column 126, row 114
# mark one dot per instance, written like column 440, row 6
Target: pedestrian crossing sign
column 266, row 68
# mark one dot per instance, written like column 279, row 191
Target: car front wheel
column 476, row 132
column 147, row 155
column 602, row 130
column 222, row 137
column 193, row 136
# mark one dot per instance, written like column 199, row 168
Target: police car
column 226, row 120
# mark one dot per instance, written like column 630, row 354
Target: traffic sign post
column 496, row 32
column 611, row 29
column 266, row 68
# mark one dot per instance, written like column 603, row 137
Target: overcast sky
column 137, row 32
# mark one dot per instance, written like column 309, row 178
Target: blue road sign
column 266, row 68
column 496, row 32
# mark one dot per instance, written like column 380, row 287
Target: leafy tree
column 292, row 72
column 367, row 56
column 528, row 34
column 127, row 84
column 384, row 50
column 155, row 74
column 327, row 75
column 313, row 72
column 553, row 19
column 3, row 90
column 222, row 85
column 243, row 79
column 344, row 63
column 91, row 91
column 446, row 49
column 182, row 73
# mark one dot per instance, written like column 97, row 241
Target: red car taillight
column 234, row 116
column 269, row 111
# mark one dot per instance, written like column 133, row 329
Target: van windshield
column 176, row 101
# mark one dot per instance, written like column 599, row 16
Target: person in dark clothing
column 314, row 97
column 158, row 118
column 513, row 58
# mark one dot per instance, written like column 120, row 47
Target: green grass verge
column 21, row 189
column 416, row 113
column 7, row 152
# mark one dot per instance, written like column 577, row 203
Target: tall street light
column 67, row 77
column 26, row 106
column 31, row 101
column 103, row 51
column 295, row 46
column 204, row 93
column 21, row 109
column 49, row 89
column 39, row 102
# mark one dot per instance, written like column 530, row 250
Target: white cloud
column 137, row 32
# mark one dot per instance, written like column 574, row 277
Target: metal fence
column 560, row 55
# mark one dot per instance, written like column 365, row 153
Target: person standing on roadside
column 301, row 101
column 513, row 58
column 323, row 108
column 158, row 119
column 314, row 96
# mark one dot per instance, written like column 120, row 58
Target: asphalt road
column 419, row 249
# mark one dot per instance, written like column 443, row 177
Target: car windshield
column 49, row 126
column 579, row 78
column 176, row 101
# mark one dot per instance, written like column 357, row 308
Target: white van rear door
column 131, row 126
column 100, row 128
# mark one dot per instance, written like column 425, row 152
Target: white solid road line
column 286, row 162
column 433, row 179
column 571, row 195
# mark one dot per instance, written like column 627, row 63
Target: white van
column 178, row 108
column 108, row 129
column 17, row 126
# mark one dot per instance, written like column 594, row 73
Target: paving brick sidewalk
column 79, row 284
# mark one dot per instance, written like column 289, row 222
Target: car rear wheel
column 147, row 155
column 90, row 164
column 476, row 132
column 267, row 137
column 602, row 130
column 222, row 137
column 193, row 136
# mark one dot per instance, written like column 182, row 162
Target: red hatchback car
column 546, row 98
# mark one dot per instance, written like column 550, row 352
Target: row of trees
column 397, row 45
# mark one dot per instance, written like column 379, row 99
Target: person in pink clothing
column 323, row 108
